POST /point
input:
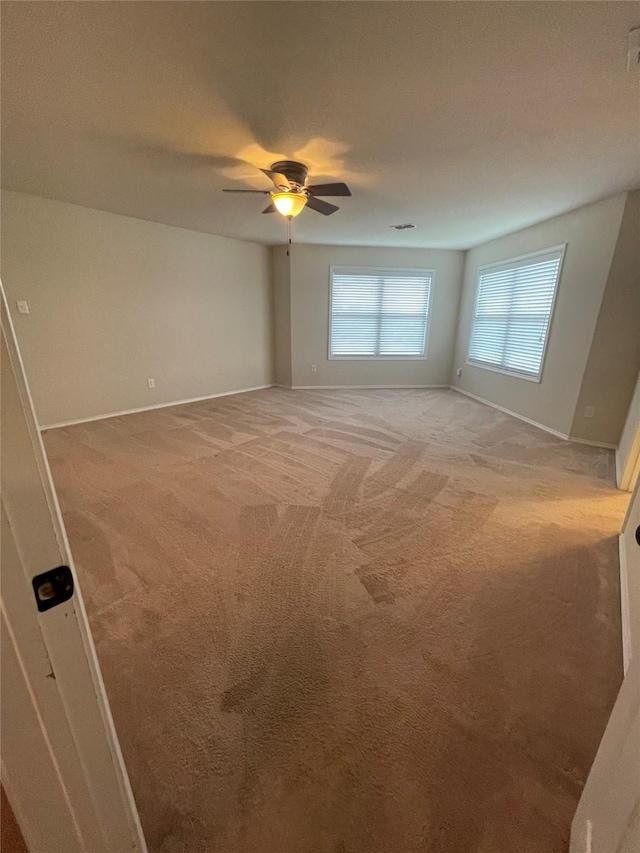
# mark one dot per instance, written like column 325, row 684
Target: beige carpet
column 348, row 621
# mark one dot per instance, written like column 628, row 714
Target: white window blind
column 513, row 311
column 379, row 313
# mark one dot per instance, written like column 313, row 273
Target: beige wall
column 114, row 301
column 614, row 357
column 590, row 233
column 281, row 273
column 310, row 316
column 631, row 839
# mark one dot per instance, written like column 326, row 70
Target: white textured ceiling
column 471, row 119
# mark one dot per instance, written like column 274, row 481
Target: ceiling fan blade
column 281, row 182
column 262, row 192
column 321, row 206
column 329, row 189
column 270, row 209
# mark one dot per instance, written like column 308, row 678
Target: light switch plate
column 23, row 307
column 589, row 412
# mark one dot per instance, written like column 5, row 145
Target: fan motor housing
column 296, row 172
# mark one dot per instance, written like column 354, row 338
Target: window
column 379, row 313
column 513, row 310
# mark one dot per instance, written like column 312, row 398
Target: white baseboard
column 325, row 388
column 624, row 606
column 548, row 429
column 361, row 387
column 509, row 412
column 156, row 406
column 591, row 443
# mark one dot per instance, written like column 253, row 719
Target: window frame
column 517, row 374
column 372, row 271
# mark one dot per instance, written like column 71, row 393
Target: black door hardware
column 53, row 587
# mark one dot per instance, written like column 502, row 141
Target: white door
column 61, row 763
column 630, row 581
column 606, row 820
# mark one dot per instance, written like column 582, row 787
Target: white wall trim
column 509, row 412
column 561, row 249
column 533, row 423
column 591, row 443
column 376, row 271
column 628, row 469
column 326, row 388
column 624, row 606
column 70, row 720
column 360, row 387
column 155, row 406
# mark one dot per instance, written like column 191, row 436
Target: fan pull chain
column 288, row 234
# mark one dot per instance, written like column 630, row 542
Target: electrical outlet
column 313, row 368
column 459, row 372
column 151, row 383
column 23, row 307
column 589, row 412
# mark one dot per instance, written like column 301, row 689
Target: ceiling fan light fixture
column 289, row 203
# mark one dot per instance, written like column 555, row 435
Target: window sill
column 377, row 358
column 506, row 372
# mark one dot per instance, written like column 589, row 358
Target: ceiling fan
column 292, row 194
